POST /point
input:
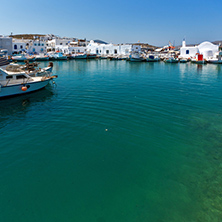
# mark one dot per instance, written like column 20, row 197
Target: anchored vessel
column 171, row 60
column 20, row 79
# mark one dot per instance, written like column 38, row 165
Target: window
column 15, row 46
column 42, row 44
column 21, row 47
column 9, row 77
column 187, row 51
column 35, row 44
column 97, row 51
column 115, row 51
column 20, row 77
column 61, row 43
column 33, row 50
column 107, row 51
column 39, row 44
column 41, row 49
column 66, row 43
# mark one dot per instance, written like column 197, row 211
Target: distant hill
column 217, row 42
column 146, row 46
column 26, row 36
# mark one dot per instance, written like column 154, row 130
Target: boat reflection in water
column 16, row 108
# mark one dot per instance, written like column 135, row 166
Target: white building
column 37, row 46
column 6, row 43
column 111, row 49
column 58, row 43
column 207, row 49
column 19, row 45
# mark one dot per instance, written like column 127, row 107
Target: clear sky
column 118, row 21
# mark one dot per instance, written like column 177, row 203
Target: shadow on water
column 17, row 106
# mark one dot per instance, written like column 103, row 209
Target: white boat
column 214, row 61
column 136, row 57
column 79, row 56
column 16, row 80
column 41, row 57
column 57, row 56
column 184, row 60
column 60, row 56
column 171, row 60
column 153, row 58
column 22, row 58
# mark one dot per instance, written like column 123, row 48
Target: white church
column 207, row 49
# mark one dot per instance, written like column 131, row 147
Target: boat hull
column 171, row 61
column 23, row 59
column 152, row 60
column 215, row 62
column 42, row 59
column 14, row 90
column 79, row 56
column 62, row 58
column 135, row 60
column 183, row 61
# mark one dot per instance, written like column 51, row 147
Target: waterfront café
column 207, row 49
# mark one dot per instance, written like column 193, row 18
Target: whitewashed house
column 20, row 45
column 37, row 46
column 112, row 49
column 57, row 44
column 207, row 49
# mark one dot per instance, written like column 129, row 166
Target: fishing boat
column 183, row 60
column 152, row 58
column 17, row 80
column 22, row 58
column 57, row 56
column 214, row 61
column 91, row 56
column 79, row 56
column 136, row 57
column 41, row 57
column 60, row 56
column 171, row 60
column 113, row 57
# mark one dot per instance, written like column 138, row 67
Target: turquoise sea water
column 114, row 141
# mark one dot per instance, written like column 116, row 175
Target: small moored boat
column 171, row 60
column 16, row 80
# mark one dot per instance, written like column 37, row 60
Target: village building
column 112, row 49
column 58, row 44
column 37, row 46
column 207, row 49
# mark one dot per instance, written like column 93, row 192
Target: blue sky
column 117, row 21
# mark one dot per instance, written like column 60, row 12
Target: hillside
column 26, row 36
